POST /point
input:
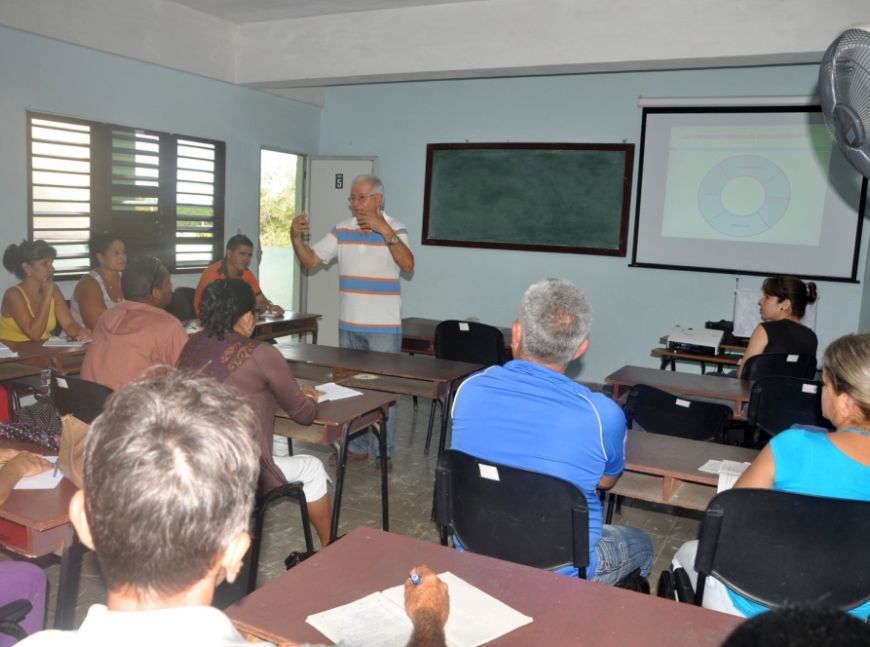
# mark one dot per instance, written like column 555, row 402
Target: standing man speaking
column 372, row 248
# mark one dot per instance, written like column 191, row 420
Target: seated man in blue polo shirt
column 528, row 414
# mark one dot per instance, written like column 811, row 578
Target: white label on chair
column 488, row 472
column 464, row 327
column 682, row 403
column 62, row 383
column 791, row 359
column 810, row 388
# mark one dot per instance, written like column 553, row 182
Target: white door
column 328, row 186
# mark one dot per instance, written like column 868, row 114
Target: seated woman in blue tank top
column 835, row 464
column 783, row 304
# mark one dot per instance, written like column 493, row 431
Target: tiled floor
column 411, row 486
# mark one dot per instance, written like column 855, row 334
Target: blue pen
column 415, row 579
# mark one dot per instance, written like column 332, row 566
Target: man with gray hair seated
column 528, row 414
column 170, row 471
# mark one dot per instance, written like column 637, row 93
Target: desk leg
column 314, row 333
column 445, row 418
column 340, row 466
column 382, row 443
column 68, row 583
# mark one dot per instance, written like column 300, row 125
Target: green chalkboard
column 543, row 197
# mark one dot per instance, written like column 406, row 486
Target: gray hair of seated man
column 170, row 472
column 555, row 317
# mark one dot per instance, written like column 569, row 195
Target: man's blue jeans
column 385, row 343
column 621, row 550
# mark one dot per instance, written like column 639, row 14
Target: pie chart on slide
column 744, row 195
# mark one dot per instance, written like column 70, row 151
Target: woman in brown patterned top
column 225, row 351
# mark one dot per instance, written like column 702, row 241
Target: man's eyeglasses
column 361, row 197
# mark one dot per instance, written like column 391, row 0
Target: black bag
column 38, row 422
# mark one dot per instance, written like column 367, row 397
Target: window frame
column 168, row 235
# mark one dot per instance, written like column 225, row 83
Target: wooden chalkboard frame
column 580, row 245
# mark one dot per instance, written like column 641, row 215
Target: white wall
column 632, row 306
column 48, row 76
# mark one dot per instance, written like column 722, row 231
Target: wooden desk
column 418, row 336
column 336, row 423
column 730, row 355
column 730, row 389
column 392, row 372
column 566, row 610
column 664, row 469
column 35, row 523
column 291, row 323
column 35, row 354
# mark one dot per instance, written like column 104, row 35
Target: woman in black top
column 782, row 305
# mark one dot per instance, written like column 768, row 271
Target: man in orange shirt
column 234, row 265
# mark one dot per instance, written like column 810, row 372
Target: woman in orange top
column 32, row 309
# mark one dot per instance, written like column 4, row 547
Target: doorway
column 282, row 178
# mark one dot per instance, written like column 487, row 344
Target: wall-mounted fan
column 844, row 88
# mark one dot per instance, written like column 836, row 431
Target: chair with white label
column 779, row 364
column 777, row 403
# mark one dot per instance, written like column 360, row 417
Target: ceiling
column 248, row 11
column 296, row 48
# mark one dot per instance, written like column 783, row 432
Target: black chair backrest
column 659, row 412
column 512, row 514
column 780, row 548
column 79, row 397
column 469, row 341
column 182, row 304
column 779, row 364
column 777, row 403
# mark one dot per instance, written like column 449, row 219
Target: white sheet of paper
column 475, row 617
column 42, row 481
column 729, row 472
column 333, row 391
column 372, row 621
column 5, row 351
column 63, row 342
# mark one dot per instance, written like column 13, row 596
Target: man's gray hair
column 170, row 471
column 555, row 317
column 375, row 181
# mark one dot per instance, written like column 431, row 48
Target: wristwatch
column 394, row 240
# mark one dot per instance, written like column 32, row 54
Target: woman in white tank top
column 100, row 289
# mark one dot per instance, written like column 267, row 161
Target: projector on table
column 702, row 341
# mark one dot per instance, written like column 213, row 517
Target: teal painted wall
column 632, row 307
column 44, row 75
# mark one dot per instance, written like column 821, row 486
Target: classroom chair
column 659, row 412
column 261, row 506
column 81, row 398
column 781, row 364
column 782, row 549
column 777, row 403
column 464, row 341
column 182, row 304
column 510, row 513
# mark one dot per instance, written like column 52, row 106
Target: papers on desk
column 379, row 619
column 42, row 481
column 728, row 471
column 5, row 351
column 63, row 342
column 332, row 391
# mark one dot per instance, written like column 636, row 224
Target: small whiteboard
column 747, row 314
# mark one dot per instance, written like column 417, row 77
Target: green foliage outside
column 277, row 203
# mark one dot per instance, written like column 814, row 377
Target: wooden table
column 729, row 355
column 64, row 359
column 391, row 372
column 664, row 469
column 336, row 423
column 712, row 387
column 35, row 523
column 566, row 610
column 290, row 323
column 418, row 336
